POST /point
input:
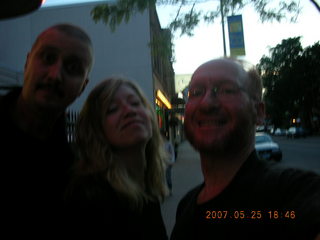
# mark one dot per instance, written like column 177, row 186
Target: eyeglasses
column 225, row 92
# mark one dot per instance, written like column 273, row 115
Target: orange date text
column 252, row 214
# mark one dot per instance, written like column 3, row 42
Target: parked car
column 296, row 132
column 266, row 148
column 280, row 132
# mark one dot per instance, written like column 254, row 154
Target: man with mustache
column 242, row 197
column 35, row 154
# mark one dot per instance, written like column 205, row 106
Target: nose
column 209, row 102
column 128, row 110
column 55, row 71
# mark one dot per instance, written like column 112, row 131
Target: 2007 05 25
column 253, row 214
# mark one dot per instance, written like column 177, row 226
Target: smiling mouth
column 51, row 90
column 212, row 123
column 131, row 123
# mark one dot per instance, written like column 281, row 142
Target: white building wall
column 124, row 52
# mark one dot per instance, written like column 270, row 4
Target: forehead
column 65, row 44
column 216, row 72
column 125, row 90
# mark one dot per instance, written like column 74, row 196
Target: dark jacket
column 34, row 176
column 263, row 201
column 101, row 212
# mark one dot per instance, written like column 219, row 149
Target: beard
column 230, row 140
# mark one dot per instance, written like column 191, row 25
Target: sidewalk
column 186, row 174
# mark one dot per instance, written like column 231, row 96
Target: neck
column 219, row 170
column 134, row 160
column 37, row 123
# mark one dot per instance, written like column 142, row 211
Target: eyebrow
column 218, row 82
column 46, row 47
column 75, row 56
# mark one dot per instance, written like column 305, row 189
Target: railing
column 71, row 120
column 9, row 79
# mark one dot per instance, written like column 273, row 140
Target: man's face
column 56, row 71
column 219, row 114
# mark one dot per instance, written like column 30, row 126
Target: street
column 301, row 153
column 186, row 173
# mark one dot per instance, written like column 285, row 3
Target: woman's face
column 127, row 121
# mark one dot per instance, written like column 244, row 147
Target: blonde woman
column 119, row 175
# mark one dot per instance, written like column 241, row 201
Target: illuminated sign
column 163, row 99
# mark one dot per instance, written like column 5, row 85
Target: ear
column 260, row 110
column 85, row 82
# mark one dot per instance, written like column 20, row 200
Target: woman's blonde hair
column 95, row 154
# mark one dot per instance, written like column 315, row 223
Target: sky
column 259, row 37
column 206, row 44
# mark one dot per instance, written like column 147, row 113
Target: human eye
column 112, row 109
column 229, row 90
column 196, row 92
column 136, row 103
column 134, row 100
column 48, row 57
column 74, row 67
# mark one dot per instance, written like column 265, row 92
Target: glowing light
column 163, row 99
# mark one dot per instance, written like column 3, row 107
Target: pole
column 223, row 34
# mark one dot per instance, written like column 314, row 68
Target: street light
column 223, row 34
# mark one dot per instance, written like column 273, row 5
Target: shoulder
column 291, row 178
column 298, row 175
column 152, row 221
column 263, row 173
column 299, row 184
column 89, row 189
column 6, row 104
column 7, row 126
column 184, row 224
column 8, row 99
column 261, row 183
column 301, row 194
column 189, row 201
column 295, row 190
column 11, row 95
column 283, row 179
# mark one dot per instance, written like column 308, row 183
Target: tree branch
column 316, row 4
column 178, row 13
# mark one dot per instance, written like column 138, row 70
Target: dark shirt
column 263, row 201
column 34, row 176
column 101, row 212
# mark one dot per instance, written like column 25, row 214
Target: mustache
column 52, row 87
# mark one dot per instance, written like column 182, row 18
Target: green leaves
column 291, row 78
column 188, row 16
column 113, row 14
column 282, row 10
column 186, row 22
